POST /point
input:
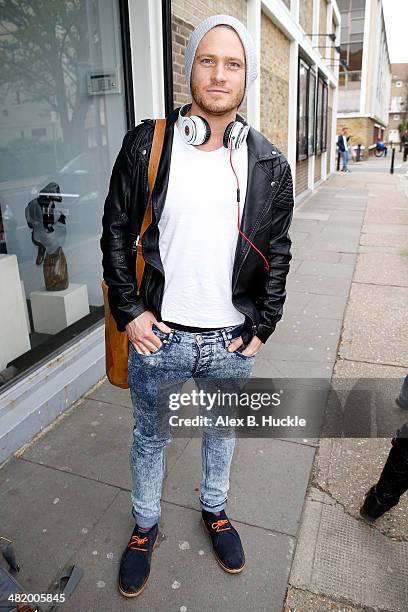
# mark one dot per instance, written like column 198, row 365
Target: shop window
column 302, row 110
column 54, row 179
column 321, row 116
column 311, row 112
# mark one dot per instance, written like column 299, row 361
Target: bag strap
column 155, row 155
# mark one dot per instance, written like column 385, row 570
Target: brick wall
column 186, row 15
column 194, row 12
column 181, row 31
column 274, row 84
column 361, row 130
column 301, row 176
column 306, row 15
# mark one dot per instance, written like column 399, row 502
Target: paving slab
column 375, row 325
column 309, row 303
column 331, row 306
column 332, row 270
column 299, row 352
column 387, row 216
column 106, row 392
column 292, row 368
column 348, row 258
column 316, row 255
column 345, row 368
column 309, row 330
column 389, row 228
column 295, row 302
column 381, row 269
column 297, row 236
column 268, row 481
column 337, row 243
column 312, row 215
column 347, row 468
column 184, row 573
column 298, row 600
column 103, row 434
column 318, row 284
column 345, row 558
column 383, row 249
column 48, row 514
column 300, row 224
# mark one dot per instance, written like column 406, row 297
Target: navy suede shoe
column 225, row 541
column 135, row 562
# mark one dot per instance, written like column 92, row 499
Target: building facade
column 398, row 117
column 97, row 68
column 365, row 86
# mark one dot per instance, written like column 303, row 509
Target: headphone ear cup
column 237, row 131
column 207, row 130
column 195, row 130
column 227, row 134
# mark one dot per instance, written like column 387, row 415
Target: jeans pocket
column 162, row 336
column 238, row 353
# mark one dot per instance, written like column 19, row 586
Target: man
column 381, row 146
column 210, row 296
column 342, row 143
column 405, row 141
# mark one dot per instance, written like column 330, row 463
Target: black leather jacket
column 266, row 218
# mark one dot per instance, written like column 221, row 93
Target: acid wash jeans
column 182, row 355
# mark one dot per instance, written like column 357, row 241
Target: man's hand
column 251, row 349
column 140, row 333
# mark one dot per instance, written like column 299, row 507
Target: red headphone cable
column 238, row 224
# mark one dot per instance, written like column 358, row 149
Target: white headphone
column 195, row 130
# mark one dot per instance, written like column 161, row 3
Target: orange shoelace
column 136, row 540
column 218, row 524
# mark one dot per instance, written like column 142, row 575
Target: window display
column 48, row 234
column 62, row 119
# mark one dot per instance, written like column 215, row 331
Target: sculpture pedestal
column 14, row 338
column 25, row 307
column 55, row 310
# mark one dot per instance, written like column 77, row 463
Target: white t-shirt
column 198, row 234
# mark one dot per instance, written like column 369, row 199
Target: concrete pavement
column 341, row 563
column 66, row 496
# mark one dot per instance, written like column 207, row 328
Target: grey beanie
column 251, row 62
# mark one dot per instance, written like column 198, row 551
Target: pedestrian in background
column 393, row 481
column 342, row 143
column 404, row 138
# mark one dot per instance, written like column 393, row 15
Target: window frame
column 311, row 133
column 321, row 121
column 304, row 154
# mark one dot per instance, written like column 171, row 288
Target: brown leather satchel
column 117, row 342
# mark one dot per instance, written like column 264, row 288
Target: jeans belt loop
column 225, row 337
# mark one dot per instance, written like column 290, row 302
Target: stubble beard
column 214, row 107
